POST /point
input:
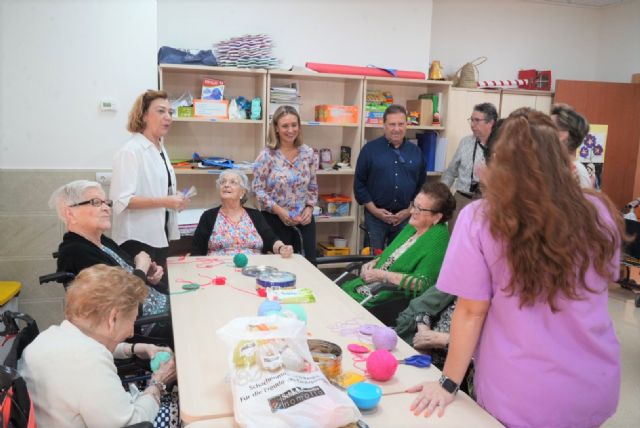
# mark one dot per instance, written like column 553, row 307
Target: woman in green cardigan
column 411, row 263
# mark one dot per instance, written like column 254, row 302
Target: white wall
column 59, row 58
column 619, row 45
column 515, row 35
column 354, row 32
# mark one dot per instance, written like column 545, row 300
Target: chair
column 631, row 258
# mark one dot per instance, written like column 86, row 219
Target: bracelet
column 161, row 386
column 386, row 276
column 133, row 349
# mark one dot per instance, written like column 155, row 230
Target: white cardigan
column 73, row 382
column 138, row 170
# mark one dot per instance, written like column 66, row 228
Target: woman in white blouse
column 143, row 187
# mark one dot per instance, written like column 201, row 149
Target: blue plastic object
column 366, row 395
column 159, row 358
column 269, row 306
column 418, row 360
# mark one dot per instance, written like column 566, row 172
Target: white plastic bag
column 275, row 382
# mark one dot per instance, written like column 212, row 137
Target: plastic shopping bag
column 275, row 382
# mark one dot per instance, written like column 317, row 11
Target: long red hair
column 550, row 229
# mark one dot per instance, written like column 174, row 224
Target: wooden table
column 201, row 356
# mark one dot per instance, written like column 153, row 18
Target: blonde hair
column 71, row 193
column 99, row 289
column 140, row 107
column 273, row 141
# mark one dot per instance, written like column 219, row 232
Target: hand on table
column 285, row 251
column 431, row 396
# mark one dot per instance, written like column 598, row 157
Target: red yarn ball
column 381, row 365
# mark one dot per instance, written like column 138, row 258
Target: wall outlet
column 103, row 178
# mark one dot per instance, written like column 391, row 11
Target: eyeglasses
column 413, row 206
column 94, row 202
column 475, row 120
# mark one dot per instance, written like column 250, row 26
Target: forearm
column 464, row 335
column 141, row 202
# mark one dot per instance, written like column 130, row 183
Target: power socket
column 103, row 178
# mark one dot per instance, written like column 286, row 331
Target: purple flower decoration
column 597, row 150
column 584, row 152
column 590, row 141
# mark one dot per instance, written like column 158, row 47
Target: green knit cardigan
column 420, row 263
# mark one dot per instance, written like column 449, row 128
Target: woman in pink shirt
column 538, row 255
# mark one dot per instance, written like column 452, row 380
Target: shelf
column 410, row 127
column 215, row 120
column 344, row 219
column 407, row 82
column 197, row 171
column 305, row 75
column 218, row 70
column 341, row 171
column 329, row 124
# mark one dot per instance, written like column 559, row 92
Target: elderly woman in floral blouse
column 285, row 182
column 231, row 228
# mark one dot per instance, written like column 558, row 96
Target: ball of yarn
column 240, row 260
column 385, row 338
column 295, row 311
column 381, row 365
column 268, row 306
column 158, row 359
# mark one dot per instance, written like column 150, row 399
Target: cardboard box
column 635, row 78
column 336, row 113
column 330, row 250
column 375, row 114
column 218, row 109
column 335, row 205
column 425, row 108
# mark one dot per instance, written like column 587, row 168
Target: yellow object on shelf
column 9, row 290
column 330, row 250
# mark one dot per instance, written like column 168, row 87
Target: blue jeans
column 380, row 233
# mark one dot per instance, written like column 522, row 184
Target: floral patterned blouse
column 230, row 238
column 291, row 185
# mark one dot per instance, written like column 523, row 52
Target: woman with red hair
column 538, row 255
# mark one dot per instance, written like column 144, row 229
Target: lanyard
column 473, row 161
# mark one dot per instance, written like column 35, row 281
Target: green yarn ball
column 240, row 260
column 160, row 358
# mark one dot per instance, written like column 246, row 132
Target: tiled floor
column 626, row 318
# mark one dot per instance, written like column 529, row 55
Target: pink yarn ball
column 385, row 338
column 381, row 365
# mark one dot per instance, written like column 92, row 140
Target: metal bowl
column 254, row 271
column 276, row 279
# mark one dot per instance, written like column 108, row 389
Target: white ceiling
column 582, row 3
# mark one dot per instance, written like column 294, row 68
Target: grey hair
column 71, row 193
column 244, row 182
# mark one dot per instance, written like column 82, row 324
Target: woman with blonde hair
column 538, row 253
column 285, row 182
column 69, row 369
column 143, row 185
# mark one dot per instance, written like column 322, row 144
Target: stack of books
column 286, row 94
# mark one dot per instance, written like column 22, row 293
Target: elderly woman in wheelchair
column 411, row 263
column 82, row 207
column 69, row 369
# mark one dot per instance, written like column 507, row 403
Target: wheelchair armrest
column 150, row 319
column 343, row 259
column 61, row 277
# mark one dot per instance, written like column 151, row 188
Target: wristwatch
column 448, row 385
column 423, row 318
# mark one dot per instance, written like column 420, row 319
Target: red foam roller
column 363, row 71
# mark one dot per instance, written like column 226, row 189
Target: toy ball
column 365, row 395
column 368, row 329
column 384, row 338
column 240, row 260
column 381, row 365
column 159, row 358
column 269, row 306
column 295, row 311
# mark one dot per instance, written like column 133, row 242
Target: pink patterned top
column 230, row 238
column 291, row 185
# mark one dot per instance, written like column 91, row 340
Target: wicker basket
column 467, row 75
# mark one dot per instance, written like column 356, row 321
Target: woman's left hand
column 306, row 215
column 147, row 351
column 428, row 339
column 285, row 251
column 155, row 273
column 431, row 396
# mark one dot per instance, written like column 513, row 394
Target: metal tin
column 276, row 279
column 254, row 271
column 328, row 356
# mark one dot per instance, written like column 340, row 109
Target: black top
column 200, row 243
column 76, row 253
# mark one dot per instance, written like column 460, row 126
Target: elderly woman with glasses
column 69, row 369
column 411, row 263
column 232, row 228
column 86, row 214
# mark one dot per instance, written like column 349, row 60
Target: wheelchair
column 631, row 258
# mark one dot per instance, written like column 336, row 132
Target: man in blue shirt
column 389, row 174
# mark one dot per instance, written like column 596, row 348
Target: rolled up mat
column 364, row 71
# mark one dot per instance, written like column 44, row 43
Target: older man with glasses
column 462, row 173
column 389, row 173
